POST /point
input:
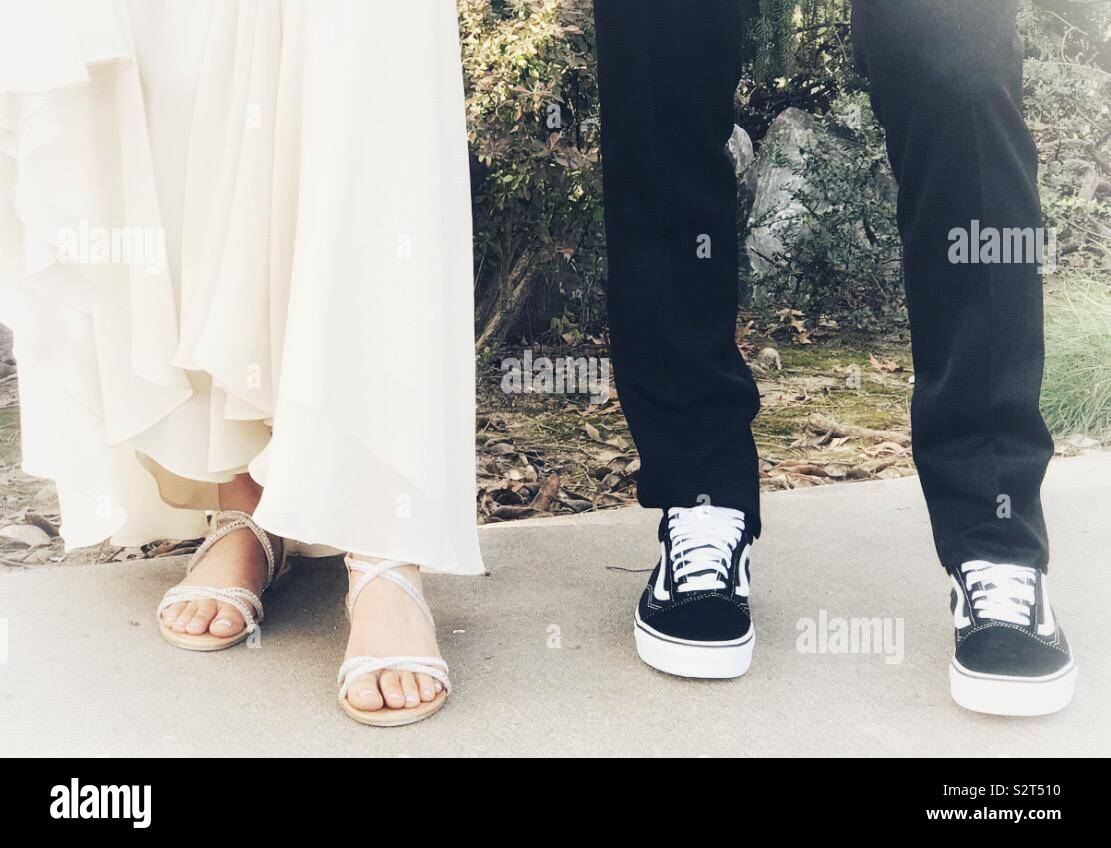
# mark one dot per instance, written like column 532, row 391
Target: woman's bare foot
column 386, row 622
column 236, row 560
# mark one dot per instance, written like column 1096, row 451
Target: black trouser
column 946, row 83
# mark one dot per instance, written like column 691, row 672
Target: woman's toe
column 409, row 688
column 229, row 621
column 363, row 693
column 389, row 682
column 170, row 614
column 202, row 617
column 185, row 617
column 426, row 686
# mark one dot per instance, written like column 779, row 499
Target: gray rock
column 775, row 225
column 25, row 534
column 769, row 358
column 48, row 494
column 38, row 556
column 5, row 343
column 778, row 174
column 741, row 154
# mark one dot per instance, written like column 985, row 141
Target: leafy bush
column 1069, row 112
column 532, row 103
column 537, row 190
column 799, row 53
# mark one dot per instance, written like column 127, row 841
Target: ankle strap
column 228, row 521
column 371, row 572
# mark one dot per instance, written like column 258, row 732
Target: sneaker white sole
column 1011, row 696
column 709, row 660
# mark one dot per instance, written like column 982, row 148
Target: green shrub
column 532, row 103
column 1069, row 112
column 798, row 53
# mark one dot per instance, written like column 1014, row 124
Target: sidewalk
column 541, row 650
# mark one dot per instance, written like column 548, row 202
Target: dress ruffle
column 95, row 341
column 285, row 332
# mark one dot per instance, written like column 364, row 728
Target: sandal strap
column 228, row 521
column 371, row 572
column 244, row 600
column 356, row 667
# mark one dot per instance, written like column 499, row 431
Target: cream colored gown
column 235, row 236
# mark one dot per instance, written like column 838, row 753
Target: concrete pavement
column 541, row 649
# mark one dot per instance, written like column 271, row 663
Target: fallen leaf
column 887, row 365
column 515, row 512
column 548, row 493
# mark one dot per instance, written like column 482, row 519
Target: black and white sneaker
column 1012, row 657
column 693, row 618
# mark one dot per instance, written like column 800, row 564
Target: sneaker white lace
column 999, row 591
column 703, row 539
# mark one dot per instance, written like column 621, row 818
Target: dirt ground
column 835, row 407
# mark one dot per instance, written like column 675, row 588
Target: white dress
column 235, row 235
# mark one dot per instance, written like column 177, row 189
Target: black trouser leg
column 946, row 82
column 668, row 70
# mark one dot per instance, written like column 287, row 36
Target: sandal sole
column 204, row 642
column 387, row 717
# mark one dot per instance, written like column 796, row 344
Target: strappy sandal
column 356, row 667
column 244, row 600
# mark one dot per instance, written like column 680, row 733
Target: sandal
column 356, row 667
column 244, row 600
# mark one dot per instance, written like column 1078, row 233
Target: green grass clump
column 1076, row 394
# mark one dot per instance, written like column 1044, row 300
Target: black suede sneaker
column 1012, row 657
column 693, row 618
